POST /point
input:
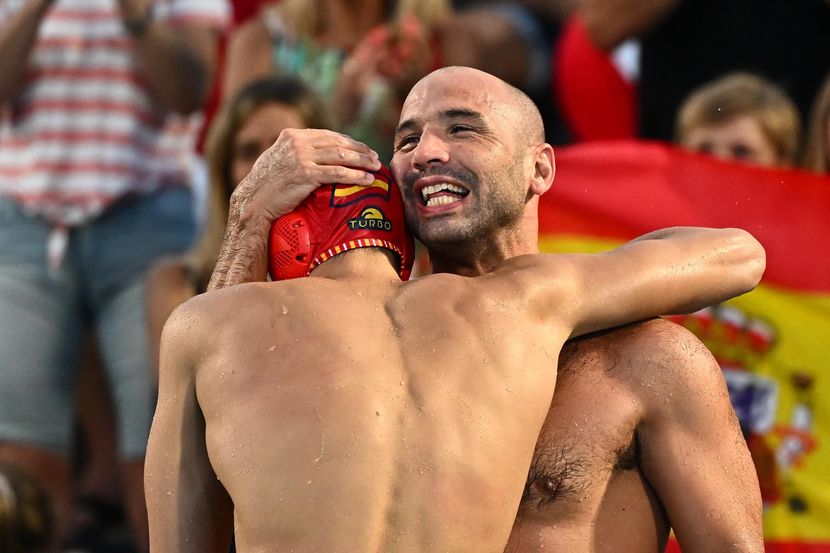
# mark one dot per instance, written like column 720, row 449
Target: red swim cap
column 337, row 218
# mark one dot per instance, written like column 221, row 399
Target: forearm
column 248, row 57
column 671, row 271
column 348, row 94
column 243, row 256
column 17, row 37
column 722, row 264
column 176, row 62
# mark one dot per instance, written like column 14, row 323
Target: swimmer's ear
column 544, row 169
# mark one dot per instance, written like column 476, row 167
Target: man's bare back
column 406, row 409
column 640, row 436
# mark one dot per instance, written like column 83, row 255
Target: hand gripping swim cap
column 337, row 218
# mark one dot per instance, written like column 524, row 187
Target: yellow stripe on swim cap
column 342, row 192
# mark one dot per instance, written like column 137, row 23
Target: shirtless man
column 626, row 451
column 463, row 142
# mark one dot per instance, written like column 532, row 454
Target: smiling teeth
column 427, row 191
column 442, row 200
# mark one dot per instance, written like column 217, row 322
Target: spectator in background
column 96, row 149
column 686, row 43
column 246, row 126
column 817, row 151
column 26, row 518
column 511, row 40
column 363, row 57
column 328, row 44
column 741, row 117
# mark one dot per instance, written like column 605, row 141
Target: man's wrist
column 247, row 217
column 242, row 256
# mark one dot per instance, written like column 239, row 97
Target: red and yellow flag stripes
column 774, row 343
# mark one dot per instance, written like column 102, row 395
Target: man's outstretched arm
column 189, row 510
column 692, row 450
column 677, row 270
column 283, row 176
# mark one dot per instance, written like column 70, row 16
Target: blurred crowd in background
column 126, row 124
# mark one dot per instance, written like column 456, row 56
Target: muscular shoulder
column 649, row 357
column 545, row 281
column 201, row 321
column 667, row 367
column 218, row 306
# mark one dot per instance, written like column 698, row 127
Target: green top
column 319, row 67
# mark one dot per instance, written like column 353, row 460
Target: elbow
column 751, row 259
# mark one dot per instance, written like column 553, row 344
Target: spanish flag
column 773, row 343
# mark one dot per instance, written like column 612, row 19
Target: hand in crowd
column 405, row 52
column 397, row 52
column 296, row 164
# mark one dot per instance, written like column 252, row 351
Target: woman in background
column 358, row 55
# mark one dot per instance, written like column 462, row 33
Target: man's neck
column 365, row 264
column 483, row 256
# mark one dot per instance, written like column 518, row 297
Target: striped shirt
column 83, row 131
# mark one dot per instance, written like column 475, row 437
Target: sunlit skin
column 260, row 130
column 739, row 139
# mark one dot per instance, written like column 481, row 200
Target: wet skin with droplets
column 600, row 480
column 585, row 492
column 385, row 419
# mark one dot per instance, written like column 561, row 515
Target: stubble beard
column 479, row 223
